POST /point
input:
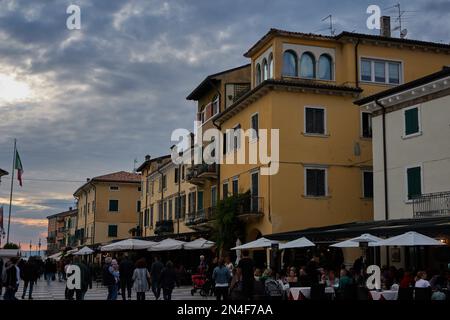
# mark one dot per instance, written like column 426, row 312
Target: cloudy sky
column 87, row 102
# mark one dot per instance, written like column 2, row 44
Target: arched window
column 325, row 67
column 258, row 74
column 265, row 72
column 271, row 66
column 289, row 64
column 307, row 63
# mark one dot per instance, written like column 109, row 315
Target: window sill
column 316, row 135
column 366, row 199
column 383, row 84
column 365, row 138
column 316, row 197
column 113, row 211
column 412, row 135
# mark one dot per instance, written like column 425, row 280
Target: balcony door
column 254, row 191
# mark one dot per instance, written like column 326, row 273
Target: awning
column 355, row 242
column 410, row 239
column 260, row 243
column 57, row 256
column 167, row 245
column 128, row 244
column 84, row 252
column 199, row 244
column 298, row 243
column 9, row 253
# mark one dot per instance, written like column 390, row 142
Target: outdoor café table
column 300, row 293
column 384, row 295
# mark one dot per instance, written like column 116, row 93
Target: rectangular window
column 367, row 184
column 315, row 120
column 151, row 215
column 112, row 230
column 225, row 190
column 138, row 206
column 183, row 206
column 199, row 200
column 366, row 123
column 254, row 191
column 192, row 202
column 366, row 70
column 152, row 187
column 255, row 126
column 380, row 71
column 113, row 205
column 235, row 186
column 236, row 138
column 411, row 121
column 177, row 175
column 315, row 182
column 89, row 208
column 213, row 196
column 93, row 206
column 170, row 209
column 177, row 207
column 225, row 142
column 165, row 210
column 160, row 211
column 146, row 218
column 114, row 188
column 182, row 172
column 414, row 182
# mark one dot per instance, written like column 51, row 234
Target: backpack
column 273, row 288
column 107, row 277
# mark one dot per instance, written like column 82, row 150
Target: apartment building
column 108, row 208
column 304, row 85
column 61, row 231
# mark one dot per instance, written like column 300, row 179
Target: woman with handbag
column 141, row 279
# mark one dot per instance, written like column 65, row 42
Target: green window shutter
column 112, row 230
column 414, row 182
column 411, row 121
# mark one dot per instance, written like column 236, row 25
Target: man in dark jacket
column 126, row 269
column 86, row 280
column 29, row 275
column 168, row 278
column 12, row 279
column 155, row 273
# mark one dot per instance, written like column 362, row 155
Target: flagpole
column 11, row 193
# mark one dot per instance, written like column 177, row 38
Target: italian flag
column 19, row 167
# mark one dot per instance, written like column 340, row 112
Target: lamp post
column 39, row 245
column 30, row 247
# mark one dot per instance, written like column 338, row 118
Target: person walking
column 49, row 271
column 109, row 276
column 86, row 280
column 1, row 275
column 141, row 279
column 12, row 279
column 155, row 273
column 245, row 271
column 221, row 277
column 126, row 269
column 29, row 275
column 168, row 278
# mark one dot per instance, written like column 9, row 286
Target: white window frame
column 361, row 129
column 325, row 124
column 362, row 182
column 405, row 182
column 315, row 167
column 386, row 70
column 235, row 178
column 254, row 139
column 419, row 115
column 228, row 189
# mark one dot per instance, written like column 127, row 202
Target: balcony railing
column 432, row 205
column 164, row 227
column 200, row 216
column 198, row 173
column 251, row 205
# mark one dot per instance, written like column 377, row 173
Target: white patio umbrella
column 260, row 243
column 128, row 244
column 72, row 251
column 167, row 245
column 85, row 251
column 298, row 243
column 199, row 244
column 410, row 239
column 56, row 256
column 354, row 242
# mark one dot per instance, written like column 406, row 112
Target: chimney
column 147, row 157
column 87, row 179
column 70, row 208
column 385, row 26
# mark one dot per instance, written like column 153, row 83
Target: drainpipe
column 85, row 214
column 162, row 192
column 179, row 198
column 386, row 205
column 93, row 212
column 356, row 64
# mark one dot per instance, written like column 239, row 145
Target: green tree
column 11, row 245
column 227, row 226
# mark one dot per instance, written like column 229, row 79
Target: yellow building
column 108, row 208
column 304, row 85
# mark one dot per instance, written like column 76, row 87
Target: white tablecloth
column 306, row 292
column 386, row 295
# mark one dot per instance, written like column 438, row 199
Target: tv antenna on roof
column 330, row 17
column 135, row 162
column 403, row 32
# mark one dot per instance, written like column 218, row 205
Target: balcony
column 201, row 219
column 432, row 205
column 164, row 227
column 250, row 207
column 199, row 173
